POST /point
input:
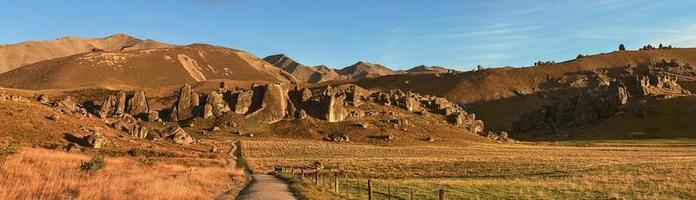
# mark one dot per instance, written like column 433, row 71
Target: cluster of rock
column 414, row 102
column 650, row 47
column 540, row 63
column 14, row 98
column 271, row 103
column 606, row 94
column 126, row 113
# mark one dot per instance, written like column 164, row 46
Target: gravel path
column 266, row 187
column 262, row 186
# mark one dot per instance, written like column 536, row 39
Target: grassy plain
column 594, row 170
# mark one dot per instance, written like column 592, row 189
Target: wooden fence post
column 389, row 191
column 336, row 182
column 345, row 178
column 411, row 193
column 442, row 194
column 396, row 192
column 316, row 178
column 357, row 188
column 302, row 174
column 369, row 189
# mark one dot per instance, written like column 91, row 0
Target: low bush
column 94, row 164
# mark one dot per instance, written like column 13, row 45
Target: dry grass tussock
column 44, row 174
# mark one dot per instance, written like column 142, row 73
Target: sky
column 400, row 34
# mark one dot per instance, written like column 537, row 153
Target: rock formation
column 186, row 104
column 273, row 105
column 243, row 101
column 179, row 136
column 137, row 104
column 215, row 105
column 332, row 108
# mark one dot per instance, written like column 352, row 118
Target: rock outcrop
column 137, row 104
column 243, row 101
column 332, row 108
column 601, row 100
column 215, row 105
column 273, row 105
column 186, row 104
column 179, row 136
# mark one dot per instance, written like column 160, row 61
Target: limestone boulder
column 273, row 105
column 137, row 105
column 243, row 101
column 179, row 136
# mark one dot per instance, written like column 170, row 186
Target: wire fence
column 354, row 187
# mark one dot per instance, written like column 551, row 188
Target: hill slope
column 144, row 68
column 20, row 54
column 362, row 69
column 315, row 74
column 500, row 95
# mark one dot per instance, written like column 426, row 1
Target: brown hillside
column 144, row 68
column 362, row 69
column 423, row 68
column 495, row 94
column 302, row 72
column 20, row 54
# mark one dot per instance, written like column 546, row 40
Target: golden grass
column 497, row 171
column 45, row 174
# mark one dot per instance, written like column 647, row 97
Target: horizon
column 452, row 34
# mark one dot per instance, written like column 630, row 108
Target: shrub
column 622, row 47
column 8, row 149
column 95, row 164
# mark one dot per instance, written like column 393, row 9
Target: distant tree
column 580, row 56
column 622, row 47
column 660, row 46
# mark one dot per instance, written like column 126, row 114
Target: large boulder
column 332, row 108
column 67, row 105
column 273, row 105
column 411, row 103
column 137, row 104
column 120, row 103
column 243, row 101
column 179, row 136
column 108, row 107
column 216, row 104
column 185, row 105
column 95, row 140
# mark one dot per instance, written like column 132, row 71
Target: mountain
column 362, row 69
column 302, row 72
column 20, row 54
column 423, row 68
column 144, row 68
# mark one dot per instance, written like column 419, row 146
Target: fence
column 348, row 187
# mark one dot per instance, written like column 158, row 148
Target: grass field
column 46, row 174
column 493, row 171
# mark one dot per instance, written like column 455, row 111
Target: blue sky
column 398, row 33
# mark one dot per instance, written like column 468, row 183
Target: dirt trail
column 262, row 186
